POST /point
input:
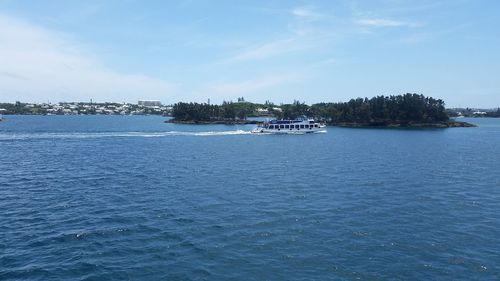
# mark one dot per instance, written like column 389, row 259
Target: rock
column 448, row 124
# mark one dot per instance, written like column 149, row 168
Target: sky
column 281, row 51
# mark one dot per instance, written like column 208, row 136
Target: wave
column 87, row 135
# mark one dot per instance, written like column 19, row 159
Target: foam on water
column 86, row 135
column 93, row 135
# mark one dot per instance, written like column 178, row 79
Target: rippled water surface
column 133, row 198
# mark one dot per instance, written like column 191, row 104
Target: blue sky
column 281, row 51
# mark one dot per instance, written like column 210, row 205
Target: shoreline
column 447, row 124
column 438, row 125
column 381, row 124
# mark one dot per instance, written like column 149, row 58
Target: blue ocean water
column 133, row 198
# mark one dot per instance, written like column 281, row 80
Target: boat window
column 315, row 125
column 286, row 126
column 307, row 126
column 302, row 126
column 282, row 126
column 296, row 126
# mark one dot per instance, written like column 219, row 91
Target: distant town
column 142, row 107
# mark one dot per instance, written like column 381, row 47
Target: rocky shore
column 447, row 124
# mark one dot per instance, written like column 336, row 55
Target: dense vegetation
column 227, row 111
column 494, row 113
column 381, row 109
column 19, row 108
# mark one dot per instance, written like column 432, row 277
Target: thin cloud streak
column 303, row 35
column 378, row 22
column 307, row 13
column 266, row 50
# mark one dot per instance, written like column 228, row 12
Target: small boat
column 286, row 126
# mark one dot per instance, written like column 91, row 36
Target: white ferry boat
column 297, row 126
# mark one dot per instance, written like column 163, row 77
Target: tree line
column 384, row 109
column 193, row 111
column 18, row 108
column 379, row 109
column 495, row 114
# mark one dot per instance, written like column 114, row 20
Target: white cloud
column 305, row 32
column 378, row 22
column 37, row 64
column 268, row 49
column 306, row 13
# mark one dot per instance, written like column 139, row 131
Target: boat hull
column 289, row 131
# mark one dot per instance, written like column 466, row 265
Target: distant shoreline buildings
column 143, row 107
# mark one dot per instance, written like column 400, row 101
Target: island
column 395, row 111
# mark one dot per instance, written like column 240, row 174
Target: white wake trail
column 92, row 135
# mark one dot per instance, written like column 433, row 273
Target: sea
column 135, row 198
